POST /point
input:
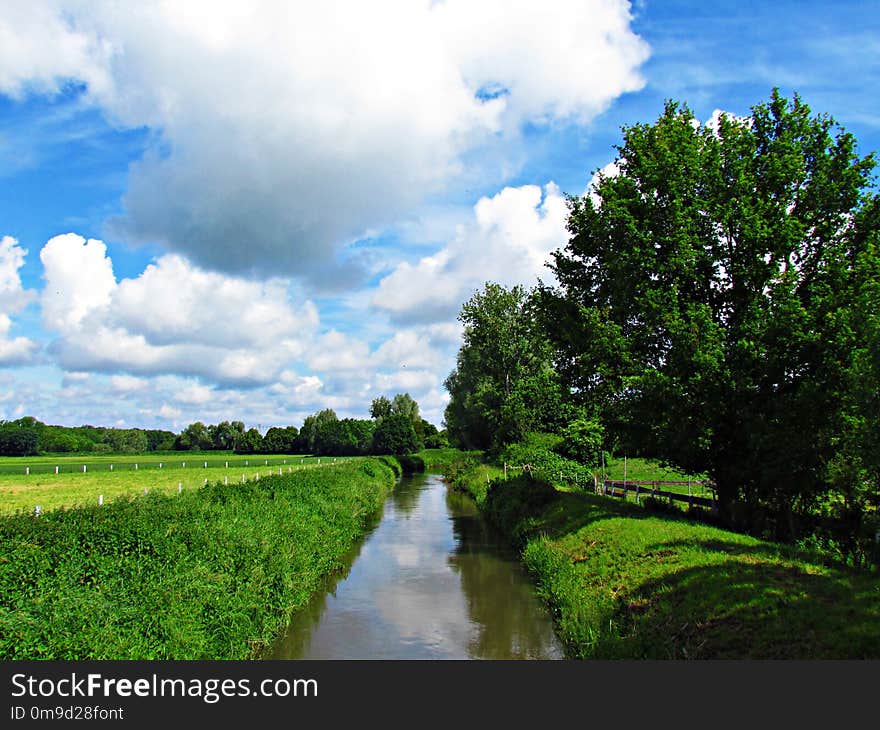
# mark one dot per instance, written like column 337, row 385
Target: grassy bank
column 212, row 573
column 624, row 582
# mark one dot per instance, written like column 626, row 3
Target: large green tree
column 709, row 297
column 503, row 385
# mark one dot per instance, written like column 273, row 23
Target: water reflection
column 431, row 581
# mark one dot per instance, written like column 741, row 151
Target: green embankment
column 625, row 582
column 211, row 573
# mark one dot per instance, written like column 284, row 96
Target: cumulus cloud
column 173, row 318
column 283, row 130
column 508, row 241
column 13, row 299
column 176, row 344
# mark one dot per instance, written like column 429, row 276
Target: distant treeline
column 395, row 428
column 27, row 436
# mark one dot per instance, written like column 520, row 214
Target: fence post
column 179, row 487
column 226, row 480
column 637, row 494
column 84, row 468
column 27, row 471
column 56, row 469
column 100, row 499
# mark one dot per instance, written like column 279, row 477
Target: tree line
column 717, row 306
column 395, row 427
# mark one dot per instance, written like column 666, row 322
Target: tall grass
column 209, row 574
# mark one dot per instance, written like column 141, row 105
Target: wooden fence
column 639, row 489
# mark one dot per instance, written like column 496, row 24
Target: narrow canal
column 432, row 580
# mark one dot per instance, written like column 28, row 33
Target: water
column 432, row 580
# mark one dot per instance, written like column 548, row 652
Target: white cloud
column 40, row 51
column 127, row 383
column 79, row 281
column 13, row 299
column 406, row 381
column 173, row 318
column 284, row 129
column 508, row 241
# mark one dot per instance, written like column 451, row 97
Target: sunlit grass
column 73, row 487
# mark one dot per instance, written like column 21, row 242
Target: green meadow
column 130, row 476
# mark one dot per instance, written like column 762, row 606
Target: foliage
column 249, row 442
column 503, row 384
column 582, row 441
column 537, row 455
column 308, row 434
column 395, row 435
column 344, row 437
column 281, row 440
column 224, row 434
column 18, row 440
column 717, row 304
column 212, row 573
column 379, row 408
column 196, row 436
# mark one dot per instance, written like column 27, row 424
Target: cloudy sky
column 220, row 210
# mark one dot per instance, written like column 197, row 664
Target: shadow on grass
column 524, row 508
column 748, row 605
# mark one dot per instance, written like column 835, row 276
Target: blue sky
column 223, row 210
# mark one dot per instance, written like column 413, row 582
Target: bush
column 395, row 435
column 536, row 454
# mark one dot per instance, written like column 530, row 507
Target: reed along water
column 432, row 580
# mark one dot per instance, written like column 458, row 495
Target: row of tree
column 26, row 436
column 717, row 306
column 396, row 427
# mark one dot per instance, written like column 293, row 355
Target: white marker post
column 179, row 487
column 100, row 499
column 84, row 468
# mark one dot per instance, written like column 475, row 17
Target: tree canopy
column 717, row 299
column 503, row 385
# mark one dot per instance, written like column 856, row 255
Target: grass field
column 212, row 573
column 625, row 582
column 130, row 475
